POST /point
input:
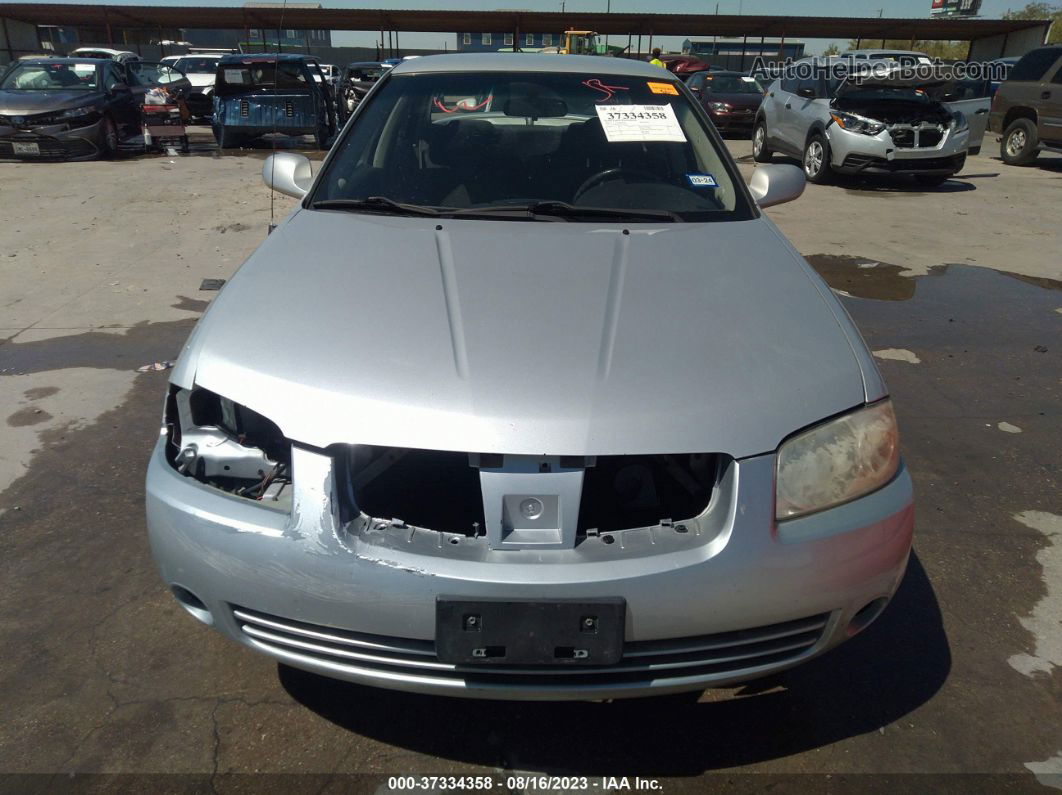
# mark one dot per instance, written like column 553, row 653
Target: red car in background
column 684, row 65
column 731, row 99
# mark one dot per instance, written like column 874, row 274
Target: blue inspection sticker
column 702, row 180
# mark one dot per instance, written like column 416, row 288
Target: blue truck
column 255, row 95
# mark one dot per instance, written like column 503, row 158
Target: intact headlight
column 719, row 107
column 837, row 461
column 960, row 121
column 856, row 123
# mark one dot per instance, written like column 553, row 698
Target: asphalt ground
column 103, row 677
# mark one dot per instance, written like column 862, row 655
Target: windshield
column 732, row 84
column 497, row 140
column 196, row 66
column 365, row 74
column 259, row 74
column 51, row 77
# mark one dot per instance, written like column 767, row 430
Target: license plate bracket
column 529, row 632
column 26, row 148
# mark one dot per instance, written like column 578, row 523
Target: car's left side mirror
column 776, row 184
column 290, row 174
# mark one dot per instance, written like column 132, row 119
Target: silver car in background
column 888, row 122
column 528, row 399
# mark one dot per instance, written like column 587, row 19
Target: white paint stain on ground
column 1045, row 621
column 898, row 355
column 1048, row 772
column 1006, row 427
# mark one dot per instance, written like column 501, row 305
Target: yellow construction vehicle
column 581, row 42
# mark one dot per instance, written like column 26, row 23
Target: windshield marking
column 608, row 91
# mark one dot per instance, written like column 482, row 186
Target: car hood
column 897, row 78
column 25, row 103
column 527, row 337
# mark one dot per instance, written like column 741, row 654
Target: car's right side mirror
column 776, row 184
column 288, row 173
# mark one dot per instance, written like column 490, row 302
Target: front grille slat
column 332, row 651
column 690, row 645
column 375, row 643
column 643, row 661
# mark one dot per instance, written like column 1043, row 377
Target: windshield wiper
column 376, row 204
column 561, row 209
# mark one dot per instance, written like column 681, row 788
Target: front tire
column 816, row 160
column 761, row 152
column 108, row 142
column 1018, row 146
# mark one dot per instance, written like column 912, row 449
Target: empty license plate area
column 525, row 632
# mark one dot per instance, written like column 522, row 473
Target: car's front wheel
column 817, row 160
column 108, row 143
column 1019, row 144
column 761, row 152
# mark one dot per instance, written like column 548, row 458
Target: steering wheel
column 607, row 175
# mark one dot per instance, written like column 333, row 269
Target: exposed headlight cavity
column 227, row 446
column 853, row 122
column 837, row 461
column 960, row 121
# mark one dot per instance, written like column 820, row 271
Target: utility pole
column 608, row 10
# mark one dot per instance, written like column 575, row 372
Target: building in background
column 493, row 42
column 739, row 54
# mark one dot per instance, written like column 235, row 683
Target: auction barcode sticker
column 624, row 123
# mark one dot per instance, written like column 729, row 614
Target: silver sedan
column 528, row 399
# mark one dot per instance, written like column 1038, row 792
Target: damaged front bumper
column 854, row 152
column 730, row 596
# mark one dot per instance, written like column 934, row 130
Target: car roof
column 265, row 56
column 532, row 62
column 64, row 59
column 104, row 49
column 879, row 51
column 354, row 64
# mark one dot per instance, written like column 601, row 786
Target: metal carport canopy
column 688, row 25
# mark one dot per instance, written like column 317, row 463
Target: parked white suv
column 885, row 122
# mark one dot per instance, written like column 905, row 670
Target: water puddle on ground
column 112, row 350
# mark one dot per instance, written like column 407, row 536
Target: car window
column 153, row 74
column 196, row 66
column 469, row 141
column 789, row 84
column 696, row 80
column 1058, row 74
column 734, row 84
column 113, row 77
column 1034, row 65
column 366, row 74
column 51, row 77
column 249, row 74
column 808, row 82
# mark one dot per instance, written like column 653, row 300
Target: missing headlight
column 227, row 446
